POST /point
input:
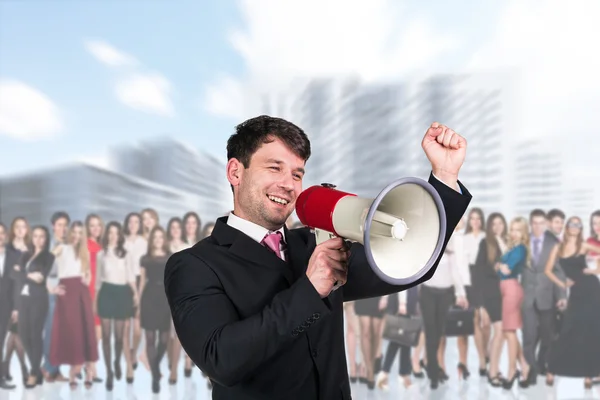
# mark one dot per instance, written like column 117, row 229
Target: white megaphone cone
column 402, row 229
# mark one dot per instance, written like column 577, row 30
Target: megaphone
column 402, row 229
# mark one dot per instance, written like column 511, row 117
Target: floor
column 196, row 387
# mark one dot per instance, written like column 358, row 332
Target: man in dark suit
column 6, row 293
column 542, row 297
column 253, row 304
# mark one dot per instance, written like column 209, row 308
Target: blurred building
column 365, row 135
column 538, row 179
column 582, row 195
column 173, row 163
column 481, row 108
column 80, row 188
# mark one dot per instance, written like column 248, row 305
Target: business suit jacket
column 43, row 264
column 539, row 289
column 256, row 325
column 7, row 283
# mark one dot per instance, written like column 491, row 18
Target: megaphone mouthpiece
column 384, row 224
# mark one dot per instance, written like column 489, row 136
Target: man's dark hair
column 253, row 133
column 536, row 213
column 555, row 212
column 58, row 215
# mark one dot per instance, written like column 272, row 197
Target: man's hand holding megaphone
column 328, row 266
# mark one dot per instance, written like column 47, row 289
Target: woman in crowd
column 176, row 244
column 73, row 331
column 116, row 298
column 155, row 312
column 191, row 235
column 576, row 351
column 19, row 242
column 352, row 341
column 403, row 303
column 490, row 252
column 136, row 246
column 472, row 280
column 149, row 219
column 93, row 229
column 31, row 299
column 509, row 270
column 435, row 298
column 370, row 315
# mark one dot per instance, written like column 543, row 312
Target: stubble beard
column 254, row 206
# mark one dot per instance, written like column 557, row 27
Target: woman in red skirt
column 509, row 270
column 73, row 333
column 94, row 228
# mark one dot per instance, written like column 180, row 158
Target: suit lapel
column 297, row 252
column 247, row 248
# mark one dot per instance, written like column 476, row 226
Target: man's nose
column 287, row 182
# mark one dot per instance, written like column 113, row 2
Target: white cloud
column 285, row 39
column 108, row 54
column 26, row 113
column 148, row 92
column 552, row 44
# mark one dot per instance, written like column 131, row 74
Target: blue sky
column 42, row 45
column 190, row 79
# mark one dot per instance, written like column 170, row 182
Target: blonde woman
column 73, row 331
column 149, row 221
column 576, row 352
column 509, row 270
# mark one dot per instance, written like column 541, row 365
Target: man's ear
column 235, row 171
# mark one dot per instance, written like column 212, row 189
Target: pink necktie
column 273, row 241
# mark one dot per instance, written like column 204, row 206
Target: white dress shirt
column 138, row 247
column 461, row 256
column 447, row 273
column 115, row 270
column 68, row 265
column 253, row 230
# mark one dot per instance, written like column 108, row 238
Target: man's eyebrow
column 279, row 162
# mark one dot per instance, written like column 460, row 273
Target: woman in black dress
column 31, row 299
column 19, row 242
column 576, row 351
column 155, row 312
column 490, row 252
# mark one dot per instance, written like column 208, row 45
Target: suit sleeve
column 226, row 347
column 364, row 283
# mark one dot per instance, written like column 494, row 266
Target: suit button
column 315, row 353
column 316, row 315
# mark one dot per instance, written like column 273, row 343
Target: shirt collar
column 540, row 238
column 251, row 229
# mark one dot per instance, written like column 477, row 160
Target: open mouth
column 278, row 200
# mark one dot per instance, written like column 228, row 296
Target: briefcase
column 459, row 322
column 402, row 329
